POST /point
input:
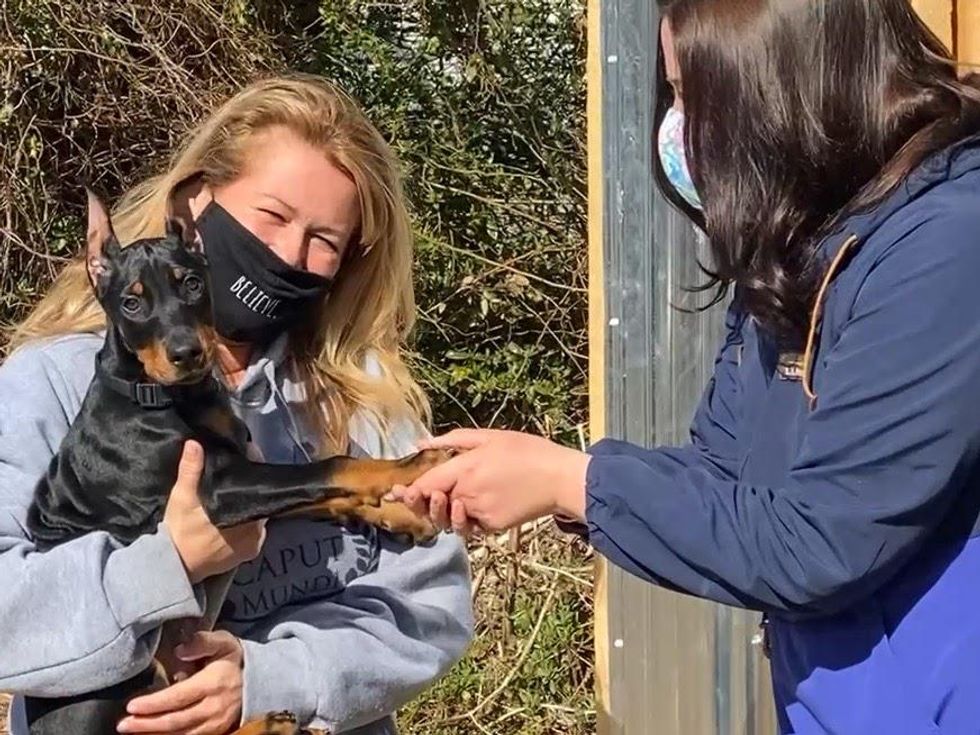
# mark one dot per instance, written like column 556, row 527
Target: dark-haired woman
column 831, row 153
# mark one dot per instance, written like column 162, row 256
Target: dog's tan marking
column 365, row 476
column 368, row 480
column 209, row 341
column 136, row 288
column 276, row 723
column 393, row 517
column 156, row 364
column 364, row 482
column 397, row 518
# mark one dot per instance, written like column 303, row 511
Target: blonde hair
column 371, row 308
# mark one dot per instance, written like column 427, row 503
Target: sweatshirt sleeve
column 354, row 658
column 83, row 614
column 890, row 444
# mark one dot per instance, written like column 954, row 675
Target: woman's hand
column 500, row 480
column 204, row 548
column 206, row 703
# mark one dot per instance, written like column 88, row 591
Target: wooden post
column 597, row 323
column 968, row 33
column 957, row 23
column 938, row 15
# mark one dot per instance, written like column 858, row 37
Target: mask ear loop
column 815, row 318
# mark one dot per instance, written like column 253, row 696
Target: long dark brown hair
column 800, row 113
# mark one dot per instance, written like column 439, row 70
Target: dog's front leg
column 238, row 490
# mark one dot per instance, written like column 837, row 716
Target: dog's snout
column 186, row 354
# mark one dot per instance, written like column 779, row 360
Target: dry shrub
column 93, row 92
column 484, row 103
column 530, row 670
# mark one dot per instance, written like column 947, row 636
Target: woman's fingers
column 443, row 478
column 440, row 479
column 412, row 498
column 432, row 494
column 439, row 510
column 191, row 464
column 175, row 697
column 433, row 505
column 459, row 519
column 169, row 722
column 459, row 439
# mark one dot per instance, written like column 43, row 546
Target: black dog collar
column 150, row 395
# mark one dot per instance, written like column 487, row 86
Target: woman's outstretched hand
column 500, row 479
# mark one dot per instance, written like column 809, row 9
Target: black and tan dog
column 152, row 391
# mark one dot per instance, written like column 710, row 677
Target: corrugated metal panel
column 670, row 663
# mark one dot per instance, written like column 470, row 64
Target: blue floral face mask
column 673, row 156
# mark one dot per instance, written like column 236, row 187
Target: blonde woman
column 294, row 192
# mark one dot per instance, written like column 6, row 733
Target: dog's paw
column 372, row 480
column 421, row 462
column 397, row 519
column 356, row 485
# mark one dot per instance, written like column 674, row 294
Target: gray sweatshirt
column 340, row 625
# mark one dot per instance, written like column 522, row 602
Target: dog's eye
column 194, row 285
column 131, row 304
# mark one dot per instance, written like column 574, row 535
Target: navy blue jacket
column 853, row 521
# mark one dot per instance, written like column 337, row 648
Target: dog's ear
column 101, row 245
column 180, row 224
column 182, row 229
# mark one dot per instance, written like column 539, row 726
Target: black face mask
column 255, row 295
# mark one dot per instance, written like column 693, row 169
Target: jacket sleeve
column 889, row 446
column 349, row 660
column 714, row 444
column 84, row 614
